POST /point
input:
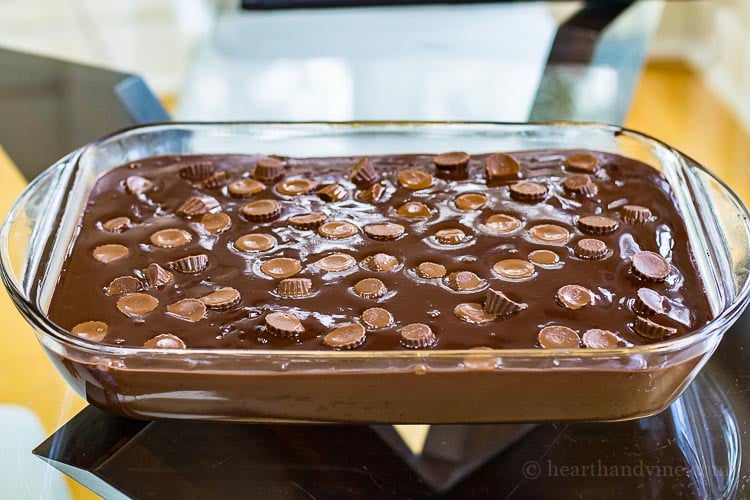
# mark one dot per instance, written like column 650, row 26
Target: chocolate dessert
column 534, row 249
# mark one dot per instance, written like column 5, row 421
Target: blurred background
column 679, row 70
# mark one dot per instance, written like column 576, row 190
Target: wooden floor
column 671, row 103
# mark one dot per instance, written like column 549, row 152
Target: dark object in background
column 50, row 107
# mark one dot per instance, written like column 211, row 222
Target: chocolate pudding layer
column 534, row 249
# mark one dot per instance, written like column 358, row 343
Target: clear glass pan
column 435, row 386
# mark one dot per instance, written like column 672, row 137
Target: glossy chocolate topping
column 424, row 250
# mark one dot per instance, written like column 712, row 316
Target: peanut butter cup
column 471, row 312
column 261, row 210
column 471, row 201
column 498, row 304
column 198, row 205
column 216, row 180
column 216, row 223
column 544, row 257
column 549, row 233
column 380, row 262
column 165, row 341
column 417, row 336
column 514, row 269
column 372, row 194
column 156, row 276
column 528, row 191
column 295, row 187
column 415, row 179
column 332, row 192
column 384, row 231
column 138, row 185
column 452, row 165
column 582, row 162
column 648, row 302
column 284, row 324
column 590, row 249
column 191, row 310
column 137, row 304
column 243, row 188
column 294, row 287
column 558, row 337
column 502, row 224
column 255, row 242
column 268, row 169
column 370, row 288
column 123, row 285
column 171, row 238
column 281, row 267
column 307, row 221
column 192, row 264
column 222, row 298
column 462, row 281
column 597, row 224
column 336, row 262
column 431, row 270
column 636, row 214
column 415, row 209
column 363, row 174
column 450, row 236
column 580, row 184
column 116, row 224
column 196, row 171
column 91, row 330
column 501, row 167
column 650, row 266
column 377, row 317
column 574, row 296
column 345, row 337
column 337, row 230
column 110, row 253
column 600, row 339
column 652, row 330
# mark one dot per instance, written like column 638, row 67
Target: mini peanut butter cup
column 165, row 341
column 156, row 276
column 222, row 298
column 337, row 230
column 123, row 285
column 370, row 288
column 417, row 336
column 345, row 337
column 544, row 258
column 243, row 188
column 590, row 249
column 450, row 236
column 514, row 269
column 501, row 167
column 268, row 169
column 192, row 264
column 291, row 288
column 574, row 296
column 197, row 171
column 216, row 180
column 255, row 242
column 380, row 262
column 650, row 266
column 171, row 238
column 648, row 302
column 110, row 252
column 502, row 224
column 636, row 214
column 307, row 221
column 528, row 191
column 473, row 313
column 198, row 205
column 332, row 193
column 284, row 324
column 414, row 209
column 377, row 317
column 384, row 231
column 216, row 223
column 261, row 210
column 651, row 329
column 462, row 281
column 558, row 337
column 583, row 162
column 363, row 173
column 191, row 310
column 91, row 330
column 431, row 270
column 549, row 233
column 372, row 194
column 116, row 224
column 600, row 339
column 137, row 304
column 295, row 187
column 281, row 267
column 138, row 185
column 471, row 201
column 336, row 262
column 415, row 179
column 580, row 184
column 597, row 224
column 498, row 304
column 452, row 165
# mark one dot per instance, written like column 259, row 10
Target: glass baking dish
column 437, row 386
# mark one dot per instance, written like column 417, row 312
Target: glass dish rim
column 48, row 328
